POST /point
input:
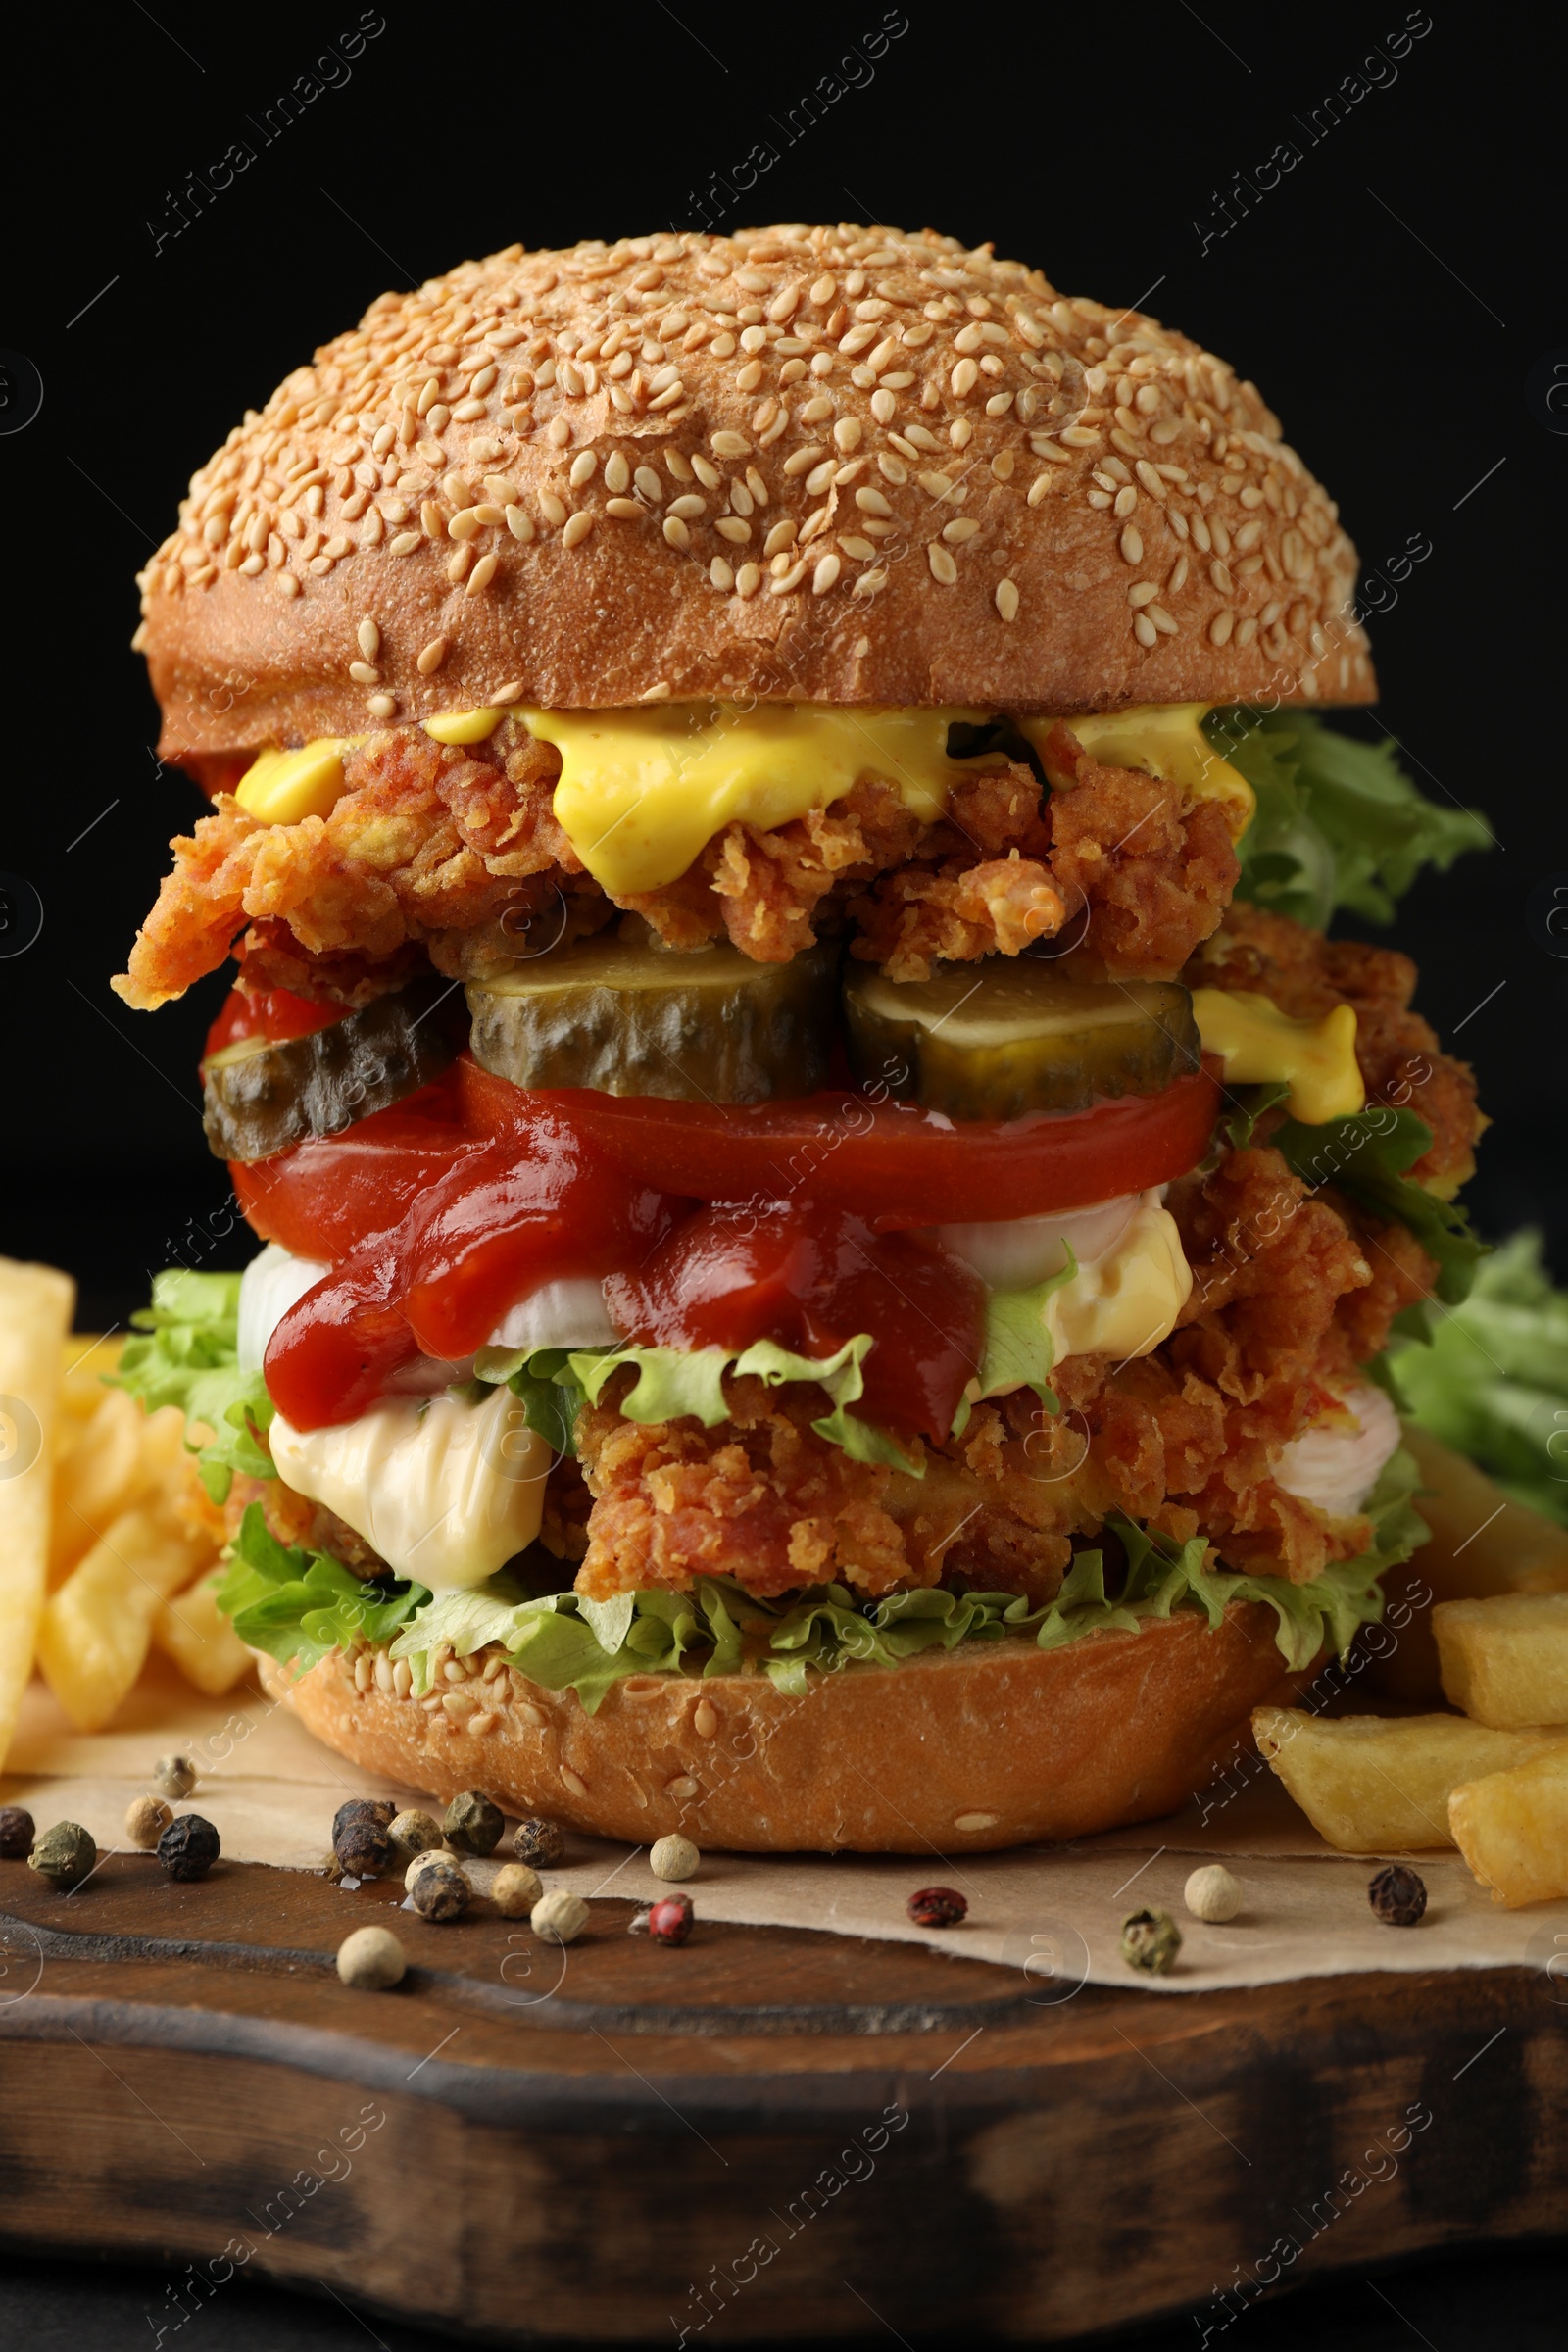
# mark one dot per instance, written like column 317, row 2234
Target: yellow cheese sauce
column 1260, row 1046
column 1164, row 740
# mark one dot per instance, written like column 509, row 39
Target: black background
column 1391, row 296
column 1400, row 297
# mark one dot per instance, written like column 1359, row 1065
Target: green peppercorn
column 473, row 1824
column 413, row 1833
column 440, row 1892
column 17, row 1833
column 1150, row 1941
column 64, row 1854
column 189, row 1846
column 539, row 1843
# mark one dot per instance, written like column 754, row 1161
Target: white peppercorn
column 174, row 1776
column 146, row 1820
column 515, row 1889
column 371, row 1959
column 558, row 1917
column 413, row 1833
column 1211, row 1893
column 674, row 1857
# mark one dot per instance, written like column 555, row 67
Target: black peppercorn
column 937, row 1907
column 669, row 1920
column 1397, row 1896
column 539, row 1843
column 440, row 1892
column 17, row 1832
column 379, row 1809
column 472, row 1823
column 361, row 1849
column 189, row 1846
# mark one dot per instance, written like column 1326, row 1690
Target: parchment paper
column 1053, row 1913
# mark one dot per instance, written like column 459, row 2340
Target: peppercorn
column 1150, row 1941
column 441, row 1891
column 146, row 1820
column 560, row 1917
column 473, row 1824
column 423, row 1862
column 515, row 1889
column 379, row 1809
column 371, row 1960
column 174, row 1776
column 937, row 1907
column 189, row 1846
column 669, row 1920
column 413, row 1833
column 361, row 1849
column 674, row 1857
column 1211, row 1893
column 64, row 1854
column 17, row 1833
column 1397, row 1896
column 539, row 1843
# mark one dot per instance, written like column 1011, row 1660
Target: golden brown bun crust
column 1101, row 459
column 955, row 1752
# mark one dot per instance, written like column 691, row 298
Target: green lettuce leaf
column 1338, row 822
column 564, row 1640
column 675, row 1381
column 1366, row 1155
column 1019, row 1350
column 1492, row 1380
column 303, row 1604
column 552, row 1394
column 185, row 1351
column 1248, row 1103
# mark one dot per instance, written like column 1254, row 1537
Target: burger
column 829, row 1217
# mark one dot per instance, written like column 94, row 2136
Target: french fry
column 191, row 1630
column 1505, row 1660
column 84, row 1359
column 1372, row 1783
column 98, row 1475
column 97, row 1629
column 36, row 1307
column 1482, row 1541
column 1512, row 1829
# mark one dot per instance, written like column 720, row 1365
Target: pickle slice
column 705, row 1025
column 1009, row 1035
column 261, row 1097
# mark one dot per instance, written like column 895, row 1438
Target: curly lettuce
column 1492, row 1380
column 185, row 1351
column 302, row 1605
column 1339, row 824
column 1366, row 1155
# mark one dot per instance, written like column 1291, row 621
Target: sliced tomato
column 275, row 1013
column 893, row 1164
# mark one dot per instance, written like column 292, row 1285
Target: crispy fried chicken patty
column 450, row 856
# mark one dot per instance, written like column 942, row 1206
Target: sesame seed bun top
column 841, row 466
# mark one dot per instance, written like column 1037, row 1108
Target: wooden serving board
column 769, row 2133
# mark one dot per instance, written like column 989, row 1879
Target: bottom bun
column 992, row 1744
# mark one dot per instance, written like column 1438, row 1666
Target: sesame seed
column 368, row 638
column 782, row 535
column 1145, row 630
column 464, row 524
column 749, row 376
column 963, row 378
column 1220, row 574
column 1002, row 465
column 1141, row 593
column 583, row 469
column 576, row 531
column 872, row 502
column 708, row 475
column 430, row 660
column 558, row 432
column 485, row 572
column 688, row 507
column 825, row 574
column 624, row 509
column 957, row 532
column 551, row 509
column 861, row 550
column 1125, row 503
column 1130, row 544
column 1178, row 573
column 381, row 706
column 617, row 473
column 884, row 408
column 675, row 531
column 1163, row 620
column 823, row 291
column 1038, row 488
column 802, row 458
column 1008, row 600
column 731, row 526
column 748, row 580
column 649, row 483
column 432, row 520
column 405, row 543
column 943, row 567
column 788, row 581
column 720, row 573
column 869, row 582
column 520, row 523
column 816, row 411
column 729, row 445
column 847, row 433
column 1220, row 628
